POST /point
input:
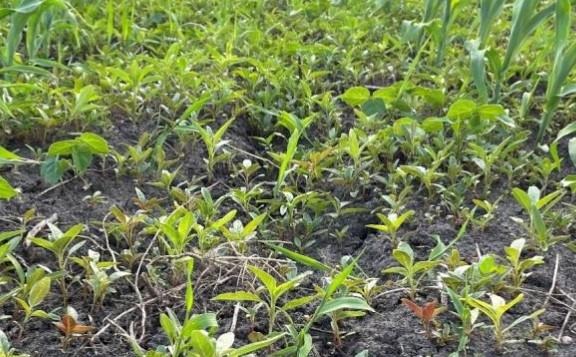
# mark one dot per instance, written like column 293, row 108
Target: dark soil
column 391, row 331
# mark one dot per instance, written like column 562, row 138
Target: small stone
column 566, row 340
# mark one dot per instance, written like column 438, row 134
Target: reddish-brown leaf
column 417, row 310
column 69, row 326
column 429, row 311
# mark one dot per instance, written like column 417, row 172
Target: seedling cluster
column 287, row 178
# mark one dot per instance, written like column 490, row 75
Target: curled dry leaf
column 68, row 326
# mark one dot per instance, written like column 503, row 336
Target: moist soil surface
column 391, row 331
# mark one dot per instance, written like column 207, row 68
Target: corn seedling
column 564, row 62
column 525, row 19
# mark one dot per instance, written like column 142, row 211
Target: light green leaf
column 300, row 258
column 256, row 346
column 39, row 291
column 344, row 303
column 462, row 109
column 266, row 279
column 97, row 144
column 356, row 96
column 7, row 192
column 202, row 343
column 238, row 296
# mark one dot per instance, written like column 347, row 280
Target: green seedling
column 193, row 336
column 97, row 277
column 350, row 144
column 239, row 235
column 536, row 207
column 7, row 192
column 468, row 317
column 58, row 243
column 245, row 197
column 301, row 344
column 270, row 294
column 519, row 267
column 367, row 289
column 564, row 63
column 482, row 220
column 468, row 117
column 330, row 303
column 182, row 226
column 428, row 176
column 136, row 160
column 166, row 179
column 125, row 227
column 476, row 277
column 285, row 159
column 95, row 199
column 486, row 158
column 82, row 151
column 411, row 271
column 83, row 104
column 391, row 223
column 37, row 292
column 496, row 309
column 213, row 142
column 247, row 171
column 315, row 163
column 6, row 349
column 547, row 165
column 336, row 317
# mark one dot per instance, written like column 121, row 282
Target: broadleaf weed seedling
column 82, row 151
column 6, row 348
column 519, row 267
column 467, row 315
column 97, row 277
column 496, row 309
column 391, row 223
column 536, row 206
column 213, row 142
column 58, row 243
column 411, row 270
column 239, row 234
column 37, row 292
column 482, row 220
column 273, row 290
